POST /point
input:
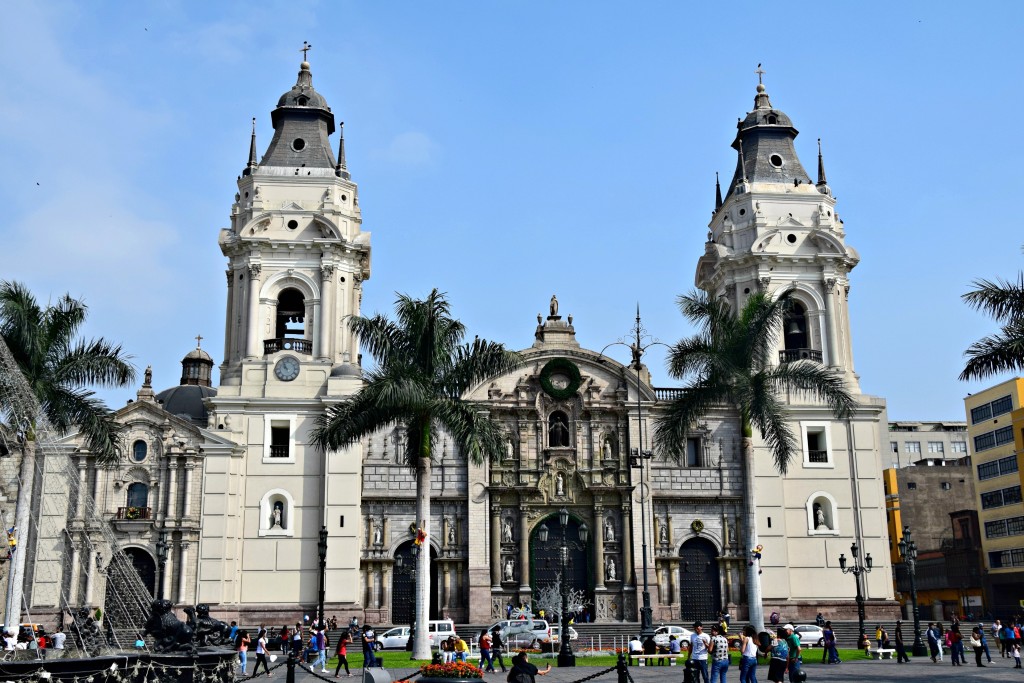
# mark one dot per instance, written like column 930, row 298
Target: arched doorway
column 403, row 586
column 545, row 564
column 700, row 590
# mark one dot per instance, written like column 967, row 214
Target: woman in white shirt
column 261, row 653
column 748, row 655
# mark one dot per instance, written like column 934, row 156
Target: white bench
column 880, row 653
column 642, row 659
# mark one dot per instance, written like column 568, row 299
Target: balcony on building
column 790, row 355
column 303, row 346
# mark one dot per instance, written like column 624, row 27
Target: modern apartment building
column 995, row 420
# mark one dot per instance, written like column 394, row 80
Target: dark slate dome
column 186, row 401
column 302, row 93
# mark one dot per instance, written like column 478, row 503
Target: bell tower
column 296, row 261
column 778, row 229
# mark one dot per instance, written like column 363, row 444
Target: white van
column 398, row 638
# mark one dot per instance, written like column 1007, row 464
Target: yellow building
column 995, row 418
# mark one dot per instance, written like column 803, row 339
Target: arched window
column 558, row 430
column 291, row 314
column 138, row 495
column 822, row 516
column 795, row 327
column 277, row 514
column 139, row 450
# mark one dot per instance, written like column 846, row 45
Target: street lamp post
column 162, row 548
column 638, row 458
column 857, row 569
column 322, row 550
column 565, row 655
column 908, row 551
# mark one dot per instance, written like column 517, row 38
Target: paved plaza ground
column 859, row 670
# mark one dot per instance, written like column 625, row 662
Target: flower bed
column 455, row 670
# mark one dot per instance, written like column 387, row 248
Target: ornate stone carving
column 763, row 282
column 327, row 271
column 830, row 284
column 254, row 271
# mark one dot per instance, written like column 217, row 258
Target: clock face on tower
column 287, row 369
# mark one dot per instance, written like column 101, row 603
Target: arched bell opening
column 291, row 314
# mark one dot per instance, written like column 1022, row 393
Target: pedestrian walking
column 261, row 653
column 486, row 661
column 829, row 638
column 369, row 647
column 342, row 654
column 901, row 647
column 976, row 644
column 497, row 646
column 719, row 654
column 700, row 642
column 242, row 646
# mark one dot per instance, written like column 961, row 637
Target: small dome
column 198, row 354
column 302, row 93
column 347, row 370
column 186, row 401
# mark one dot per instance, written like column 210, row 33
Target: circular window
column 775, row 160
column 293, row 224
column 344, row 198
column 746, row 290
column 247, row 195
column 791, row 239
column 139, row 450
column 298, row 144
column 743, row 212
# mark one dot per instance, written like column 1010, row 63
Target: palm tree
column 1004, row 351
column 55, row 367
column 731, row 362
column 422, row 370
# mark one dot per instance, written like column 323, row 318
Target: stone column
column 446, row 585
column 76, row 569
column 495, row 545
column 598, row 527
column 90, row 573
column 311, row 325
column 172, row 489
column 524, row 550
column 230, row 312
column 830, row 322
column 182, row 572
column 168, row 572
column 252, row 335
column 672, row 567
column 187, row 507
column 83, row 475
column 326, row 313
column 385, row 570
column 627, row 545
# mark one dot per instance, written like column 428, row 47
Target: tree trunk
column 756, row 609
column 16, row 579
column 421, row 644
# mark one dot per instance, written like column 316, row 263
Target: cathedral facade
column 240, row 497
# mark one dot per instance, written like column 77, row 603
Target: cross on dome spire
column 199, row 341
column 760, row 72
column 306, row 47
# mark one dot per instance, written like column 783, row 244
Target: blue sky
column 508, row 151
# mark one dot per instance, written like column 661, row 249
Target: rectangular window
column 945, row 486
column 935, row 447
column 913, row 446
column 997, row 468
column 997, row 437
column 911, row 485
column 894, row 446
column 958, row 446
column 817, row 444
column 1001, row 528
column 1000, row 497
column 279, row 437
column 693, row 452
column 995, row 408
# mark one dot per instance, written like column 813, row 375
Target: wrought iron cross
column 199, row 340
column 306, row 47
column 760, row 72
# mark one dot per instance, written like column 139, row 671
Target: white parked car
column 555, row 634
column 397, row 638
column 520, row 633
column 810, row 636
column 662, row 634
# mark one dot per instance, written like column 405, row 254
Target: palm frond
column 1002, row 299
column 815, row 380
column 672, row 426
column 769, row 416
column 477, row 435
column 355, row 417
column 472, row 363
column 996, row 353
column 93, row 362
column 66, row 408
